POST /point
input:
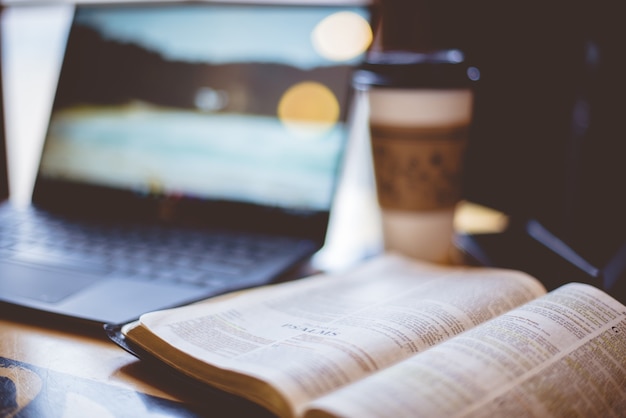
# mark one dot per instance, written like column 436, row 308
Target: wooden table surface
column 71, row 370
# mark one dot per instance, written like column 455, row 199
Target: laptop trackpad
column 47, row 286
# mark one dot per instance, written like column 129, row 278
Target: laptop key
column 145, row 254
column 58, row 259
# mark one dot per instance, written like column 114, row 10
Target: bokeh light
column 309, row 108
column 342, row 36
column 208, row 99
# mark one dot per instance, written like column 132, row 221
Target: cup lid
column 437, row 69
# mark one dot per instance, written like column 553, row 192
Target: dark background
column 548, row 139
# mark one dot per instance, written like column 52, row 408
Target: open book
column 396, row 337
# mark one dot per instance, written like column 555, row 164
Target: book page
column 562, row 355
column 309, row 337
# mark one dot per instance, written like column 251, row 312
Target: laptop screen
column 205, row 103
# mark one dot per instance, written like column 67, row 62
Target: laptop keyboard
column 140, row 252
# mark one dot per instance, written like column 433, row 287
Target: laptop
column 193, row 149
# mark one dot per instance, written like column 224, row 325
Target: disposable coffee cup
column 420, row 110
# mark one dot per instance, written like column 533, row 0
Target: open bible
column 397, row 337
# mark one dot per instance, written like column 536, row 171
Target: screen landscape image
column 207, row 101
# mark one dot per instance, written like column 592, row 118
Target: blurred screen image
column 213, row 102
